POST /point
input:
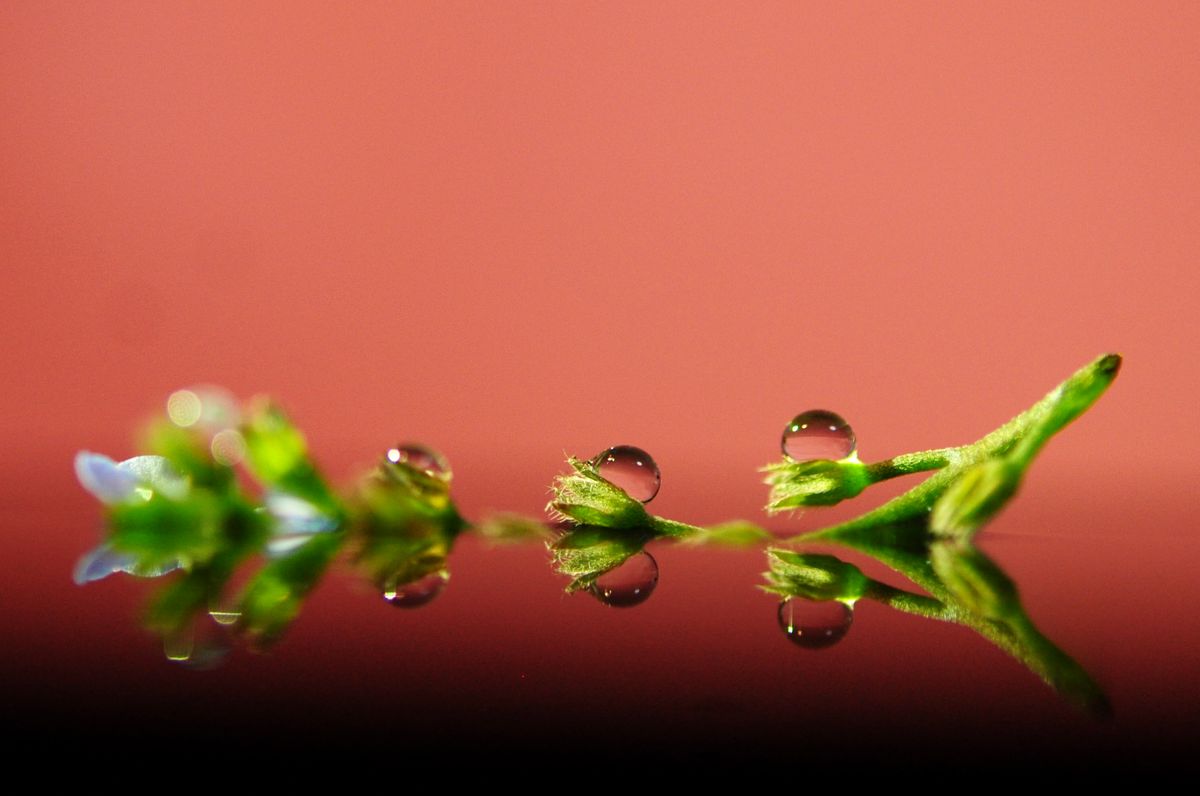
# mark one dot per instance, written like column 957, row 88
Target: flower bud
column 975, row 497
column 586, row 498
column 821, row 482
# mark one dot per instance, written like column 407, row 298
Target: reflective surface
column 503, row 658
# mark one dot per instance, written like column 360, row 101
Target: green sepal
column 277, row 456
column 583, row 496
column 163, row 531
column 977, row 496
column 189, row 454
column 273, row 598
column 821, row 482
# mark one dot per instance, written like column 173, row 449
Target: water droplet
column 630, row 469
column 201, row 644
column 818, row 434
column 629, row 584
column 815, row 624
column 419, row 592
column 420, row 457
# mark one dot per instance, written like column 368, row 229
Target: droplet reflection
column 202, row 644
column 631, row 469
column 421, row 591
column 818, row 434
column 815, row 624
column 629, row 584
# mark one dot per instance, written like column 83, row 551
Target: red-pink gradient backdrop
column 516, row 229
column 513, row 229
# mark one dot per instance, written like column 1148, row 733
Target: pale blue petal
column 100, row 562
column 102, row 477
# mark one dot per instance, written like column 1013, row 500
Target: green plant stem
column 909, row 603
column 1022, row 437
column 908, row 463
column 664, row 527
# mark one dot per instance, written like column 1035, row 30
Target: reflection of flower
column 131, row 481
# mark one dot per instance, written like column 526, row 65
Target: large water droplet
column 419, row 592
column 420, row 457
column 815, row 624
column 629, row 584
column 818, row 434
column 630, row 469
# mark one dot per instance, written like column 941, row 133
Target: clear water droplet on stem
column 818, row 434
column 629, row 584
column 630, row 469
column 420, row 457
column 814, row 624
column 416, row 593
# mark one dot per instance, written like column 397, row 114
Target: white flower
column 132, row 480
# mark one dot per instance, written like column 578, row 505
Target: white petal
column 295, row 515
column 283, row 545
column 158, row 474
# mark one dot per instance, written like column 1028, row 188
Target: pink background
column 514, row 230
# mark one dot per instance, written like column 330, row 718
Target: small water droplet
column 630, row 469
column 815, row 624
column 420, row 457
column 629, row 584
column 419, row 592
column 818, row 434
column 201, row 644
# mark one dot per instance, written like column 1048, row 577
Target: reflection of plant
column 964, row 587
column 609, row 526
column 183, row 508
column 925, row 533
